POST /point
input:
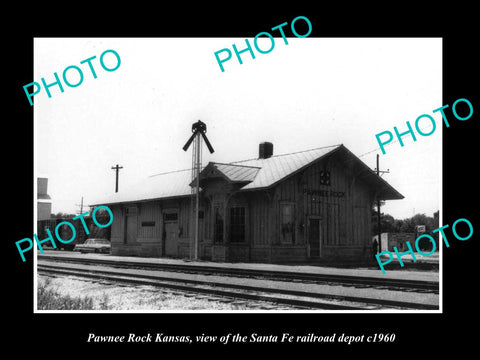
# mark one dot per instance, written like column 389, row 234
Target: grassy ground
column 69, row 293
column 48, row 298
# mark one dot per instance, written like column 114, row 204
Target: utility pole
column 81, row 206
column 116, row 168
column 378, row 207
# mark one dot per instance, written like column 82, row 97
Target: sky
column 310, row 93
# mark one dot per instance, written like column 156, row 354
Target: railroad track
column 357, row 281
column 254, row 289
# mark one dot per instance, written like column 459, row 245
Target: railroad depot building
column 297, row 207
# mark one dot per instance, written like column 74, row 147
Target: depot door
column 315, row 237
column 130, row 230
column 171, row 239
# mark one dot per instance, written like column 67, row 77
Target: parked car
column 94, row 245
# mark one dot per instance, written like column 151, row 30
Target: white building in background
column 44, row 202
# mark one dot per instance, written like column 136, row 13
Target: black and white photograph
column 255, row 188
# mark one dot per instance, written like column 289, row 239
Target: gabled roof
column 254, row 173
column 230, row 172
column 277, row 167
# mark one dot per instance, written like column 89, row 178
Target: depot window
column 217, row 225
column 287, row 223
column 237, row 224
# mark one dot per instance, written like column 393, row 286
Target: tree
column 386, row 222
column 390, row 224
column 61, row 215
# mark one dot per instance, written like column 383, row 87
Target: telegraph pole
column 116, row 168
column 378, row 207
column 81, row 206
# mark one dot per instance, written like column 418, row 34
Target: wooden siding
column 117, row 224
column 342, row 207
column 149, row 212
column 260, row 218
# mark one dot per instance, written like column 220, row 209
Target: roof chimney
column 265, row 150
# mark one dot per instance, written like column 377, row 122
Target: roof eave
column 140, row 201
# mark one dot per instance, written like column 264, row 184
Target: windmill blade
column 209, row 146
column 187, row 145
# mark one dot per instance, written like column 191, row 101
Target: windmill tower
column 198, row 129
